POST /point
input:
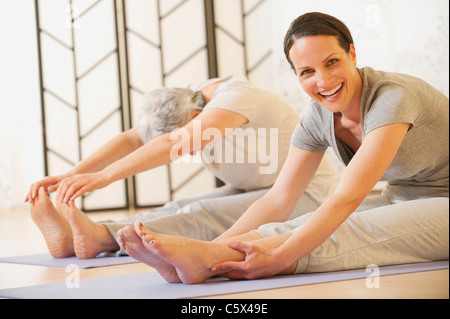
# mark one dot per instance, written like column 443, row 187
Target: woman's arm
column 157, row 152
column 366, row 168
column 118, row 147
column 280, row 201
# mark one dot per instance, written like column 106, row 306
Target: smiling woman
column 375, row 122
column 331, row 80
column 317, row 24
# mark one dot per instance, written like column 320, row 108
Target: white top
column 251, row 156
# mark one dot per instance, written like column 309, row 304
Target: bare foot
column 89, row 238
column 134, row 247
column 192, row 259
column 54, row 227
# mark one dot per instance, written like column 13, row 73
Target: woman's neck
column 353, row 112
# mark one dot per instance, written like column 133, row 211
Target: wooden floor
column 19, row 236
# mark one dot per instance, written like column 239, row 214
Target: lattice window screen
column 167, row 46
column 99, row 57
column 242, row 35
column 80, row 81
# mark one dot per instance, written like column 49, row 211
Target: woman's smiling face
column 327, row 73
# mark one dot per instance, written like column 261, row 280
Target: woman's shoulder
column 390, row 88
column 376, row 80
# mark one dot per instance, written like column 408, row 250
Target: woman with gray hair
column 220, row 109
column 165, row 110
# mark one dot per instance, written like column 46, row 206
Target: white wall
column 406, row 36
column 409, row 36
column 21, row 157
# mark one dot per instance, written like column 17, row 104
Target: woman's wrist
column 285, row 256
column 76, row 170
column 108, row 174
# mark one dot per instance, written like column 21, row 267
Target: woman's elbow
column 133, row 139
column 348, row 201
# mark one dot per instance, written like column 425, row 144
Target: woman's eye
column 305, row 72
column 333, row 61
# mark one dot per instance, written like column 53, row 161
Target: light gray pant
column 379, row 233
column 207, row 216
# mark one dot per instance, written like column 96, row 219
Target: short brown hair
column 316, row 23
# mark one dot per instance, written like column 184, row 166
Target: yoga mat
column 49, row 261
column 152, row 286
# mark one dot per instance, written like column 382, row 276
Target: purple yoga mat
column 152, row 286
column 49, row 261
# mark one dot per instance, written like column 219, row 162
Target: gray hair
column 165, row 110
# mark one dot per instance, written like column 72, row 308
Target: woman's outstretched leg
column 194, row 259
column 133, row 245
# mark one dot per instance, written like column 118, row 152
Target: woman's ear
column 195, row 113
column 353, row 54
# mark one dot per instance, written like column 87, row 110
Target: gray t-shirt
column 420, row 168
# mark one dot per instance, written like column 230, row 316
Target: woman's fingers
column 33, row 192
column 67, row 189
column 259, row 262
column 73, row 187
column 52, row 188
column 235, row 265
column 61, row 191
column 49, row 183
column 229, row 266
column 68, row 194
column 241, row 246
column 80, row 192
